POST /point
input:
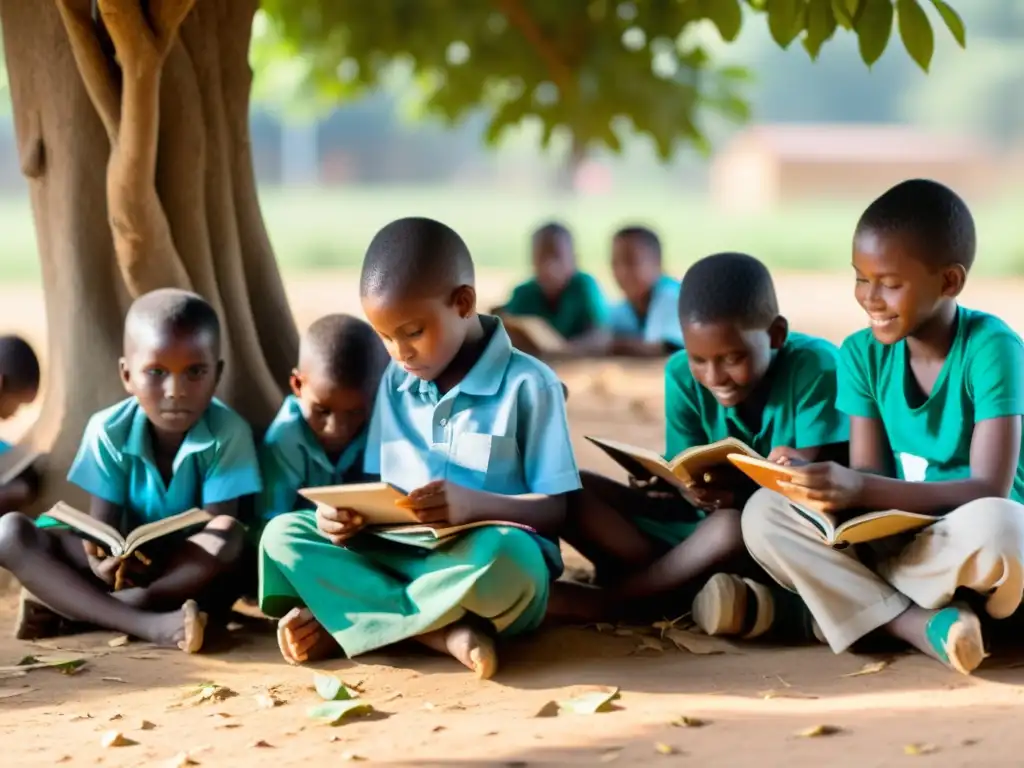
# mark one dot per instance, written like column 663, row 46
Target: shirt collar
column 487, row 373
column 139, row 443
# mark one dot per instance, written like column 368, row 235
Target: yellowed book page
column 87, row 524
column 144, row 534
column 879, row 525
column 692, row 463
column 376, row 502
column 537, row 330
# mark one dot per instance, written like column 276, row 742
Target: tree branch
column 166, row 17
column 92, row 62
column 520, row 18
column 136, row 45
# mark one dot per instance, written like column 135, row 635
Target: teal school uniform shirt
column 800, row 411
column 662, row 321
column 4, row 447
column 580, row 308
column 982, row 378
column 502, row 429
column 292, row 458
column 216, row 462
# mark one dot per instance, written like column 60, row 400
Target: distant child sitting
column 319, row 435
column 646, row 322
column 19, row 386
column 166, row 449
column 475, row 431
column 935, row 396
column 743, row 374
column 571, row 301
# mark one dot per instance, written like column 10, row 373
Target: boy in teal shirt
column 475, row 431
column 571, row 301
column 646, row 322
column 166, row 449
column 742, row 374
column 19, row 386
column 935, row 394
column 319, row 435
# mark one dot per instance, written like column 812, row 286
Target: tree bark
column 140, row 175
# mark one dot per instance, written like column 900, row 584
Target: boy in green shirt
column 571, row 301
column 935, row 394
column 742, row 374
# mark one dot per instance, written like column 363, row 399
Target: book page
column 881, row 525
column 89, row 526
column 164, row 527
column 378, row 503
column 694, row 461
column 765, row 473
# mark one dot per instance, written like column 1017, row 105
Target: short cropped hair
column 933, row 214
column 415, row 256
column 18, row 365
column 728, row 288
column 345, row 349
column 647, row 237
column 174, row 310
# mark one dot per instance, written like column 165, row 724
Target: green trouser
column 377, row 590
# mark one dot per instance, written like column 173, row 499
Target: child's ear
column 126, row 375
column 778, row 332
column 295, row 382
column 464, row 300
column 954, row 278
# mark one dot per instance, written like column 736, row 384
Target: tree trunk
column 140, row 175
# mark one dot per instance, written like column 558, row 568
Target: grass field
column 321, row 229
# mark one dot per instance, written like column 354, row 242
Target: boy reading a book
column 570, row 301
column 477, row 432
column 935, row 395
column 742, row 374
column 319, row 435
column 646, row 322
column 19, row 386
column 168, row 448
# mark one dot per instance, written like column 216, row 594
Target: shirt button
column 443, row 422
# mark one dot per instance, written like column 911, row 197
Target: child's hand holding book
column 338, row 525
column 825, row 486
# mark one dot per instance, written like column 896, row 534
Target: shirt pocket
column 492, row 460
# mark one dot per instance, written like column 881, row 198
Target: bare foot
column 300, row 637
column 473, row 647
column 952, row 635
column 182, row 629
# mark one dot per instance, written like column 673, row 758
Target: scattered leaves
column 868, row 669
column 589, row 703
column 181, row 760
column 146, row 725
column 920, row 749
column 119, row 641
column 437, row 729
column 392, row 697
column 114, row 680
column 226, row 726
column 665, row 749
column 65, row 665
column 784, row 693
column 550, row 709
column 333, row 712
column 79, row 718
column 115, row 716
column 115, row 739
column 10, row 693
column 689, row 722
column 651, row 644
column 698, row 644
column 330, row 688
column 205, row 692
column 351, row 757
column 262, row 744
column 819, row 730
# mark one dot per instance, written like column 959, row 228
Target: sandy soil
column 753, row 701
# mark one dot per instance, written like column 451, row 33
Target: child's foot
column 301, row 638
column 473, row 648
column 183, row 629
column 738, row 607
column 953, row 636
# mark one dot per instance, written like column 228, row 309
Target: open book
column 859, row 529
column 684, row 469
column 537, row 331
column 384, row 506
column 111, row 539
column 14, row 462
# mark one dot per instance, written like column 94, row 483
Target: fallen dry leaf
column 550, row 709
column 920, row 749
column 181, row 760
column 624, row 632
column 651, row 644
column 392, row 697
column 115, row 716
column 437, row 729
column 698, row 644
column 114, row 680
column 115, row 739
column 146, row 725
column 79, row 718
column 665, row 749
column 226, row 726
column 118, row 641
column 64, row 759
column 351, row 757
column 689, row 722
column 262, row 744
column 10, row 693
column 591, row 702
column 819, row 730
column 784, row 693
column 868, row 669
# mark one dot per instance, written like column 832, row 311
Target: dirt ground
column 751, row 702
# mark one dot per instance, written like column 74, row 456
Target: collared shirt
column 502, row 429
column 215, row 463
column 580, row 308
column 662, row 321
column 291, row 458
